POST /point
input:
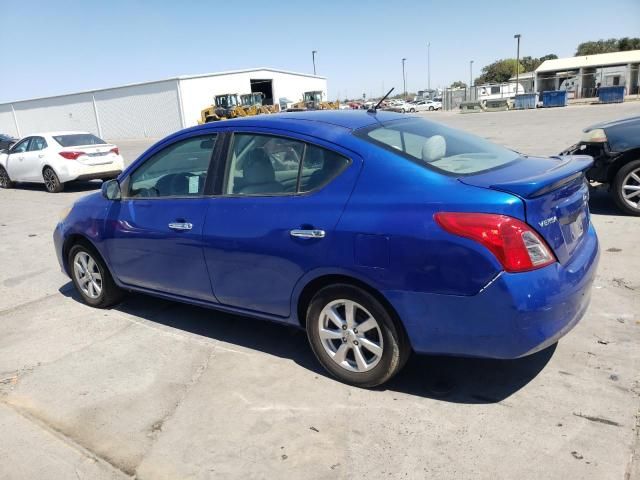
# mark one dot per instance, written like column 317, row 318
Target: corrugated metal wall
column 138, row 111
column 150, row 110
column 7, row 125
column 70, row 112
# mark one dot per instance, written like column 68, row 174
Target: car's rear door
column 280, row 200
column 154, row 234
column 34, row 158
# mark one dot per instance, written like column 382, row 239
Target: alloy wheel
column 350, row 335
column 87, row 275
column 631, row 188
column 50, row 180
column 4, row 178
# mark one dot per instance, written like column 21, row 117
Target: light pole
column 404, row 79
column 313, row 57
column 429, row 67
column 517, row 36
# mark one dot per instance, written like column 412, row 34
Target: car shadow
column 444, row 378
column 601, row 203
column 70, row 187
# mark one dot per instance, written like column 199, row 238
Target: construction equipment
column 226, row 106
column 313, row 101
column 252, row 103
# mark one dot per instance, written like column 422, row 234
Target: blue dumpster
column 525, row 100
column 554, row 98
column 611, row 94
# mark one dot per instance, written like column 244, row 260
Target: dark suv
column 6, row 141
column 615, row 148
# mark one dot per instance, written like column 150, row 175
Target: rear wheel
column 413, row 110
column 51, row 181
column 92, row 278
column 625, row 188
column 354, row 337
column 431, row 109
column 5, row 181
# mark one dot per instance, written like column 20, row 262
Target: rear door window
column 436, row 146
column 37, row 144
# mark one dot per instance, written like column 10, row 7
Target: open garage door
column 265, row 87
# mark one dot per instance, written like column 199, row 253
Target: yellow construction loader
column 252, row 103
column 226, row 106
column 313, row 101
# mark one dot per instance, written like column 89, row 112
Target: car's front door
column 154, row 233
column 280, row 200
column 17, row 161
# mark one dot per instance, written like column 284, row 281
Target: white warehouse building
column 150, row 109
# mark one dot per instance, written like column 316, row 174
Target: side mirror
column 111, row 190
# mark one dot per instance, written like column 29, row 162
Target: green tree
column 608, row 46
column 529, row 64
column 458, row 84
column 499, row 71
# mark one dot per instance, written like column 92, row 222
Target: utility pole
column 429, row 67
column 517, row 36
column 404, row 79
column 313, row 57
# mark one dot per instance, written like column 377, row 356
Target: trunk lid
column 94, row 154
column 555, row 195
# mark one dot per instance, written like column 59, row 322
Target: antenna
column 373, row 109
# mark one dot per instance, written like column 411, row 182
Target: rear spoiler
column 569, row 169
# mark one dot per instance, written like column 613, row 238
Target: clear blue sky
column 54, row 47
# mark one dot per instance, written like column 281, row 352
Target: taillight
column 115, row 150
column 514, row 243
column 71, row 155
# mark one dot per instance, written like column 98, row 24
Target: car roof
column 56, row 133
column 614, row 123
column 346, row 119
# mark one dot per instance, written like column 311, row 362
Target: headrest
column 258, row 167
column 434, row 148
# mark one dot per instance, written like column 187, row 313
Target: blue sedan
column 378, row 233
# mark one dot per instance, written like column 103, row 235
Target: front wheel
column 413, row 110
column 92, row 278
column 5, row 180
column 51, row 181
column 625, row 188
column 354, row 337
column 431, row 109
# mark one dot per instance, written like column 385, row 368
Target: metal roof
column 180, row 77
column 599, row 60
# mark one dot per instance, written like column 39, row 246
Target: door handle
column 41, row 155
column 181, row 226
column 315, row 233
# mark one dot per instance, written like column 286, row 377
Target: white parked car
column 56, row 158
column 427, row 105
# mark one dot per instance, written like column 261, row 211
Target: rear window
column 433, row 145
column 77, row 139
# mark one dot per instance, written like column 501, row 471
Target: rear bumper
column 515, row 315
column 72, row 170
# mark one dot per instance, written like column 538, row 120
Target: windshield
column 77, row 139
column 434, row 145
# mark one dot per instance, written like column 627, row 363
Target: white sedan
column 56, row 158
column 424, row 105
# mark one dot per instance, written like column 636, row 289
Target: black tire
column 5, row 181
column 395, row 346
column 110, row 293
column 617, row 191
column 51, row 181
column 413, row 110
column 431, row 109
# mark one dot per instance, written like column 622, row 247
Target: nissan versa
column 378, row 233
